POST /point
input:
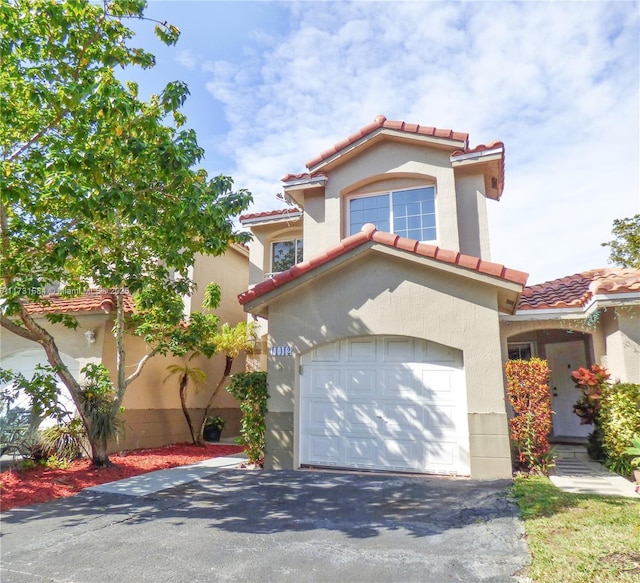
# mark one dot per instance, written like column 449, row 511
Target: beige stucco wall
column 152, row 405
column 622, row 331
column 473, row 224
column 71, row 342
column 381, row 295
column 381, row 162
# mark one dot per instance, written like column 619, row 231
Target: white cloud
column 557, row 82
column 187, row 59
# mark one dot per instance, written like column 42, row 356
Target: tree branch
column 136, row 373
column 18, row 330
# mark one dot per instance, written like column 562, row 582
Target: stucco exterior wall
column 473, row 225
column 381, row 295
column 622, row 332
column 381, row 162
column 72, row 342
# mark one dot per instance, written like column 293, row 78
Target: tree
column 230, row 340
column 624, row 250
column 99, row 188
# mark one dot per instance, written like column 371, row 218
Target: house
column 385, row 323
column 152, row 411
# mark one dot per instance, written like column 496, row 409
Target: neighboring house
column 386, row 325
column 152, row 407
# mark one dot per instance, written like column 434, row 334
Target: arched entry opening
column 565, row 351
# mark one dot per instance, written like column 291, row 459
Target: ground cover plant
column 578, row 538
column 39, row 483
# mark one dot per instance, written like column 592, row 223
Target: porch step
column 564, row 451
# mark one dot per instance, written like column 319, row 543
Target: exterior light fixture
column 90, row 335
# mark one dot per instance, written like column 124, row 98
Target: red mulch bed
column 41, row 484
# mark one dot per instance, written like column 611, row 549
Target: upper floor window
column 408, row 213
column 285, row 254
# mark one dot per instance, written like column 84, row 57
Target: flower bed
column 41, row 484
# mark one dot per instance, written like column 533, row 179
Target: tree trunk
column 184, row 379
column 225, row 376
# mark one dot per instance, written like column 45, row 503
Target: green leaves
column 625, row 248
column 167, row 33
column 98, row 185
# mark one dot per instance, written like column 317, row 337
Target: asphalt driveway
column 272, row 527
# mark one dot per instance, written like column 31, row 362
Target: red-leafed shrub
column 529, row 395
column 591, row 382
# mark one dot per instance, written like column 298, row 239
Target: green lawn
column 578, row 538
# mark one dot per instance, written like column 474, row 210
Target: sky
column 273, row 84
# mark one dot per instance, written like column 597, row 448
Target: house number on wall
column 280, row 351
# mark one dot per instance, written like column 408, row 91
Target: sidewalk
column 575, row 472
column 153, row 482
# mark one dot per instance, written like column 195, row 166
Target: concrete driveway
column 272, row 527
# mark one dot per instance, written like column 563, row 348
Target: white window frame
column 532, row 346
column 390, row 192
column 283, row 240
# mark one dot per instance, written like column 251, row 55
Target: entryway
column 563, row 358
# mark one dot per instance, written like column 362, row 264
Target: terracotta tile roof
column 576, row 291
column 480, row 148
column 370, row 233
column 269, row 214
column 90, row 301
column 486, row 148
column 382, row 122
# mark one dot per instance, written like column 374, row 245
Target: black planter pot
column 212, row 433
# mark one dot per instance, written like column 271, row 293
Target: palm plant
column 187, row 374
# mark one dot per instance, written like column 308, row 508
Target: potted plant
column 635, row 451
column 213, row 428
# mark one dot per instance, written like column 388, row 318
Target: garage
column 386, row 403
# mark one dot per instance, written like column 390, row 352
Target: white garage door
column 384, row 403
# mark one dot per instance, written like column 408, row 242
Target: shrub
column 620, row 420
column 250, row 388
column 65, row 441
column 591, row 382
column 529, row 395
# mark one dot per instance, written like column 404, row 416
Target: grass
column 576, row 538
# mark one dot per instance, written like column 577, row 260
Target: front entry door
column 563, row 359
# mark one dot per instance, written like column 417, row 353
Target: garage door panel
column 361, row 453
column 398, row 350
column 442, row 418
column 388, row 405
column 361, row 382
column 324, row 450
column 401, row 382
column 326, row 382
column 361, row 350
column 323, row 417
column 403, row 456
column 361, row 418
column 399, row 420
column 441, row 455
column 326, row 353
column 437, row 381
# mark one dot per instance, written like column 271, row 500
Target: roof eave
column 283, row 218
column 345, row 153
